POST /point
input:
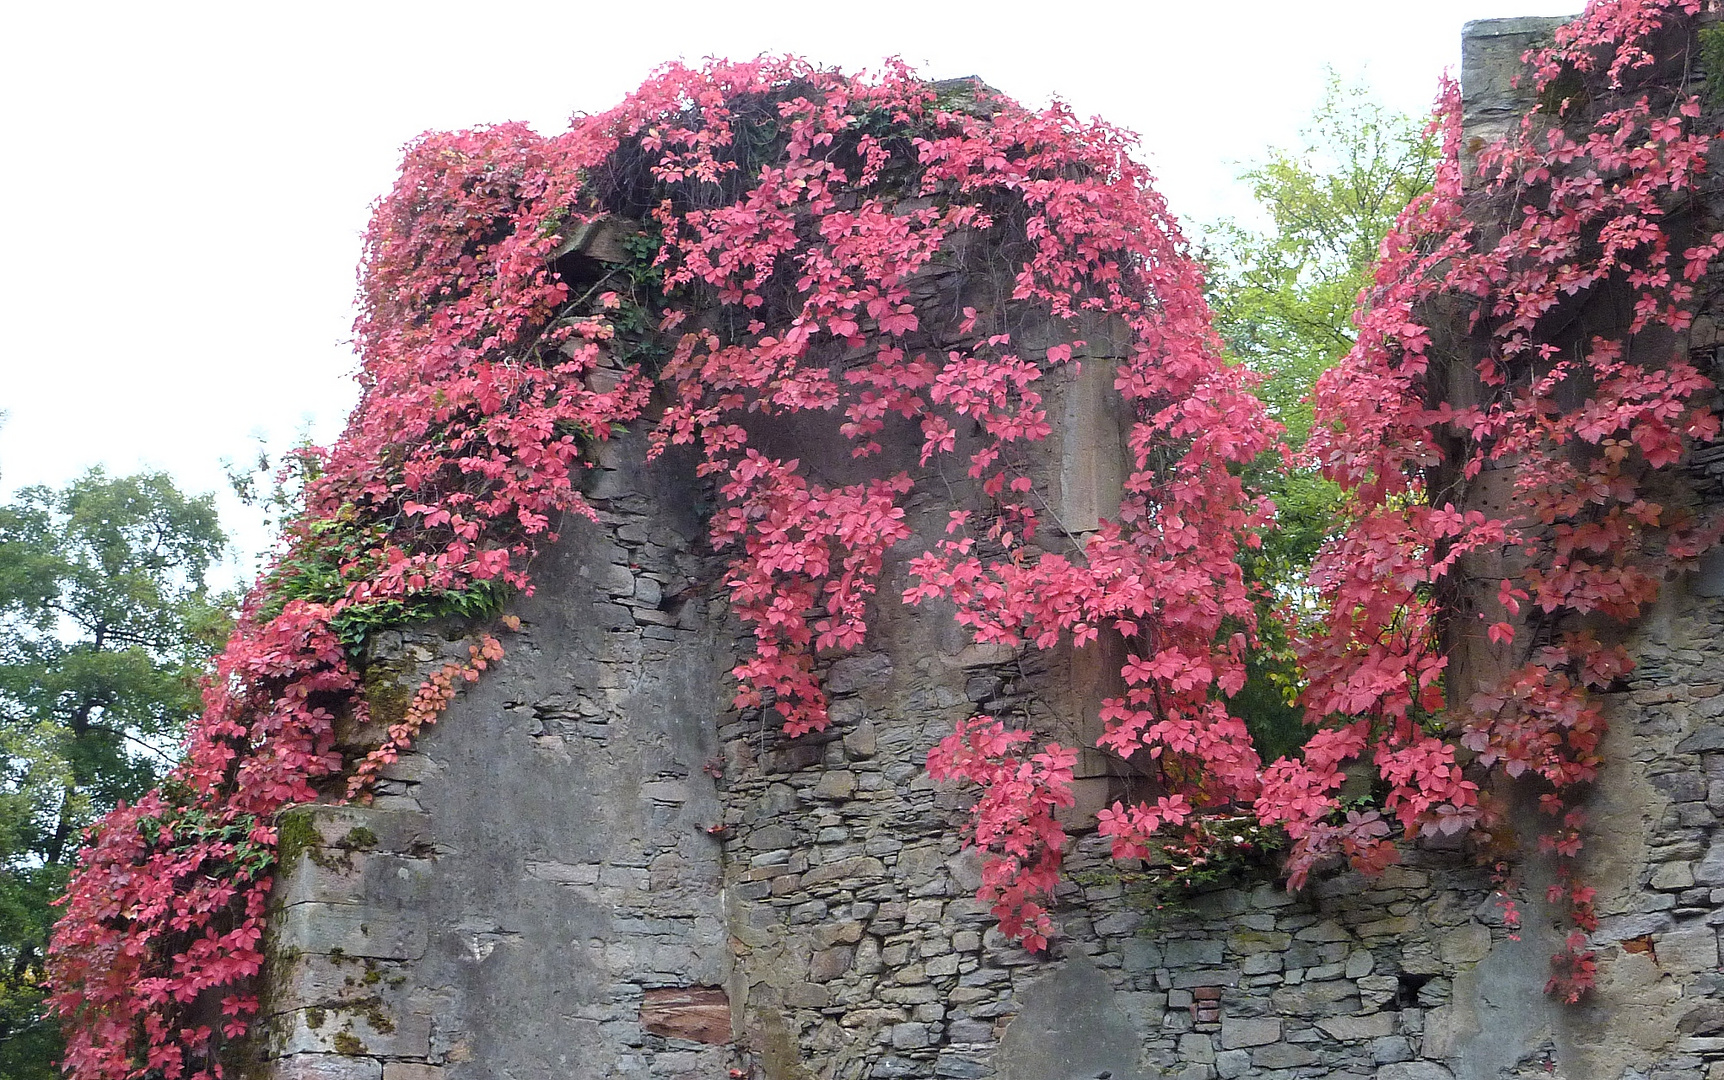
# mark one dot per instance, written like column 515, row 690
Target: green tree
column 1284, row 296
column 106, row 623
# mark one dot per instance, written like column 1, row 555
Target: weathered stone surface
column 1349, row 1028
column 1240, row 1033
column 1414, row 1070
column 1466, row 945
column 327, row 1067
column 697, row 1013
column 1070, row 1025
column 852, row 673
column 1282, row 1055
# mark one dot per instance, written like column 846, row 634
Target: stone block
column 1688, row 949
column 851, row 673
column 696, row 1013
column 1192, row 951
column 829, row 964
column 1186, row 980
column 1393, row 1048
column 1242, row 1032
column 1282, row 1055
column 1710, row 871
column 951, row 1066
column 1315, row 998
column 1467, row 944
column 351, row 929
column 1197, row 1047
column 911, row 1036
column 863, row 743
column 837, row 784
column 358, row 828
column 1247, row 942
column 1326, row 931
column 1673, row 876
column 1414, row 1070
column 357, row 1028
column 857, row 866
column 411, row 1070
column 1360, row 962
column 327, row 1067
column 1350, row 1028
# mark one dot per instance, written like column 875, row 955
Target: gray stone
column 1711, row 868
column 1393, row 1048
column 1673, row 876
column 1688, row 949
column 1197, row 1047
column 1414, row 1070
column 1710, row 737
column 1070, row 1024
column 1349, row 1028
column 327, row 1067
column 1467, row 944
column 1282, row 1055
column 911, row 1036
column 1239, row 1033
column 1359, row 964
column 1190, row 952
column 870, row 672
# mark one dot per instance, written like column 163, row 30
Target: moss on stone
column 1712, row 61
column 359, row 838
column 387, row 694
column 314, row 1017
column 345, row 1042
column 294, row 833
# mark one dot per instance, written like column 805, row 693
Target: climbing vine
column 1507, row 477
column 782, row 224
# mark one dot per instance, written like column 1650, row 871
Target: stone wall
column 594, row 866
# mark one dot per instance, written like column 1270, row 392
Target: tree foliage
column 1284, row 295
column 106, row 624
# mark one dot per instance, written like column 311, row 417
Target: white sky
column 186, row 184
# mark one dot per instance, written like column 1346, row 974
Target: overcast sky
column 186, row 185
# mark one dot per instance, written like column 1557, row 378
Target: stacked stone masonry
column 595, row 866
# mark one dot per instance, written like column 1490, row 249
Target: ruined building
column 594, row 866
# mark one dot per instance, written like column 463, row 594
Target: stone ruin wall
column 594, row 866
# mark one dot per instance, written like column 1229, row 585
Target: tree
column 1284, row 298
column 106, row 624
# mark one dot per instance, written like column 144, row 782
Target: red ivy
column 1577, row 428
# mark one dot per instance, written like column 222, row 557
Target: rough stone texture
column 595, row 866
column 543, row 865
column 701, row 1013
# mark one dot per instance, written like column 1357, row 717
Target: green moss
column 1712, row 61
column 359, row 838
column 345, row 1042
column 294, row 833
column 387, row 695
column 379, row 1020
column 314, row 1018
